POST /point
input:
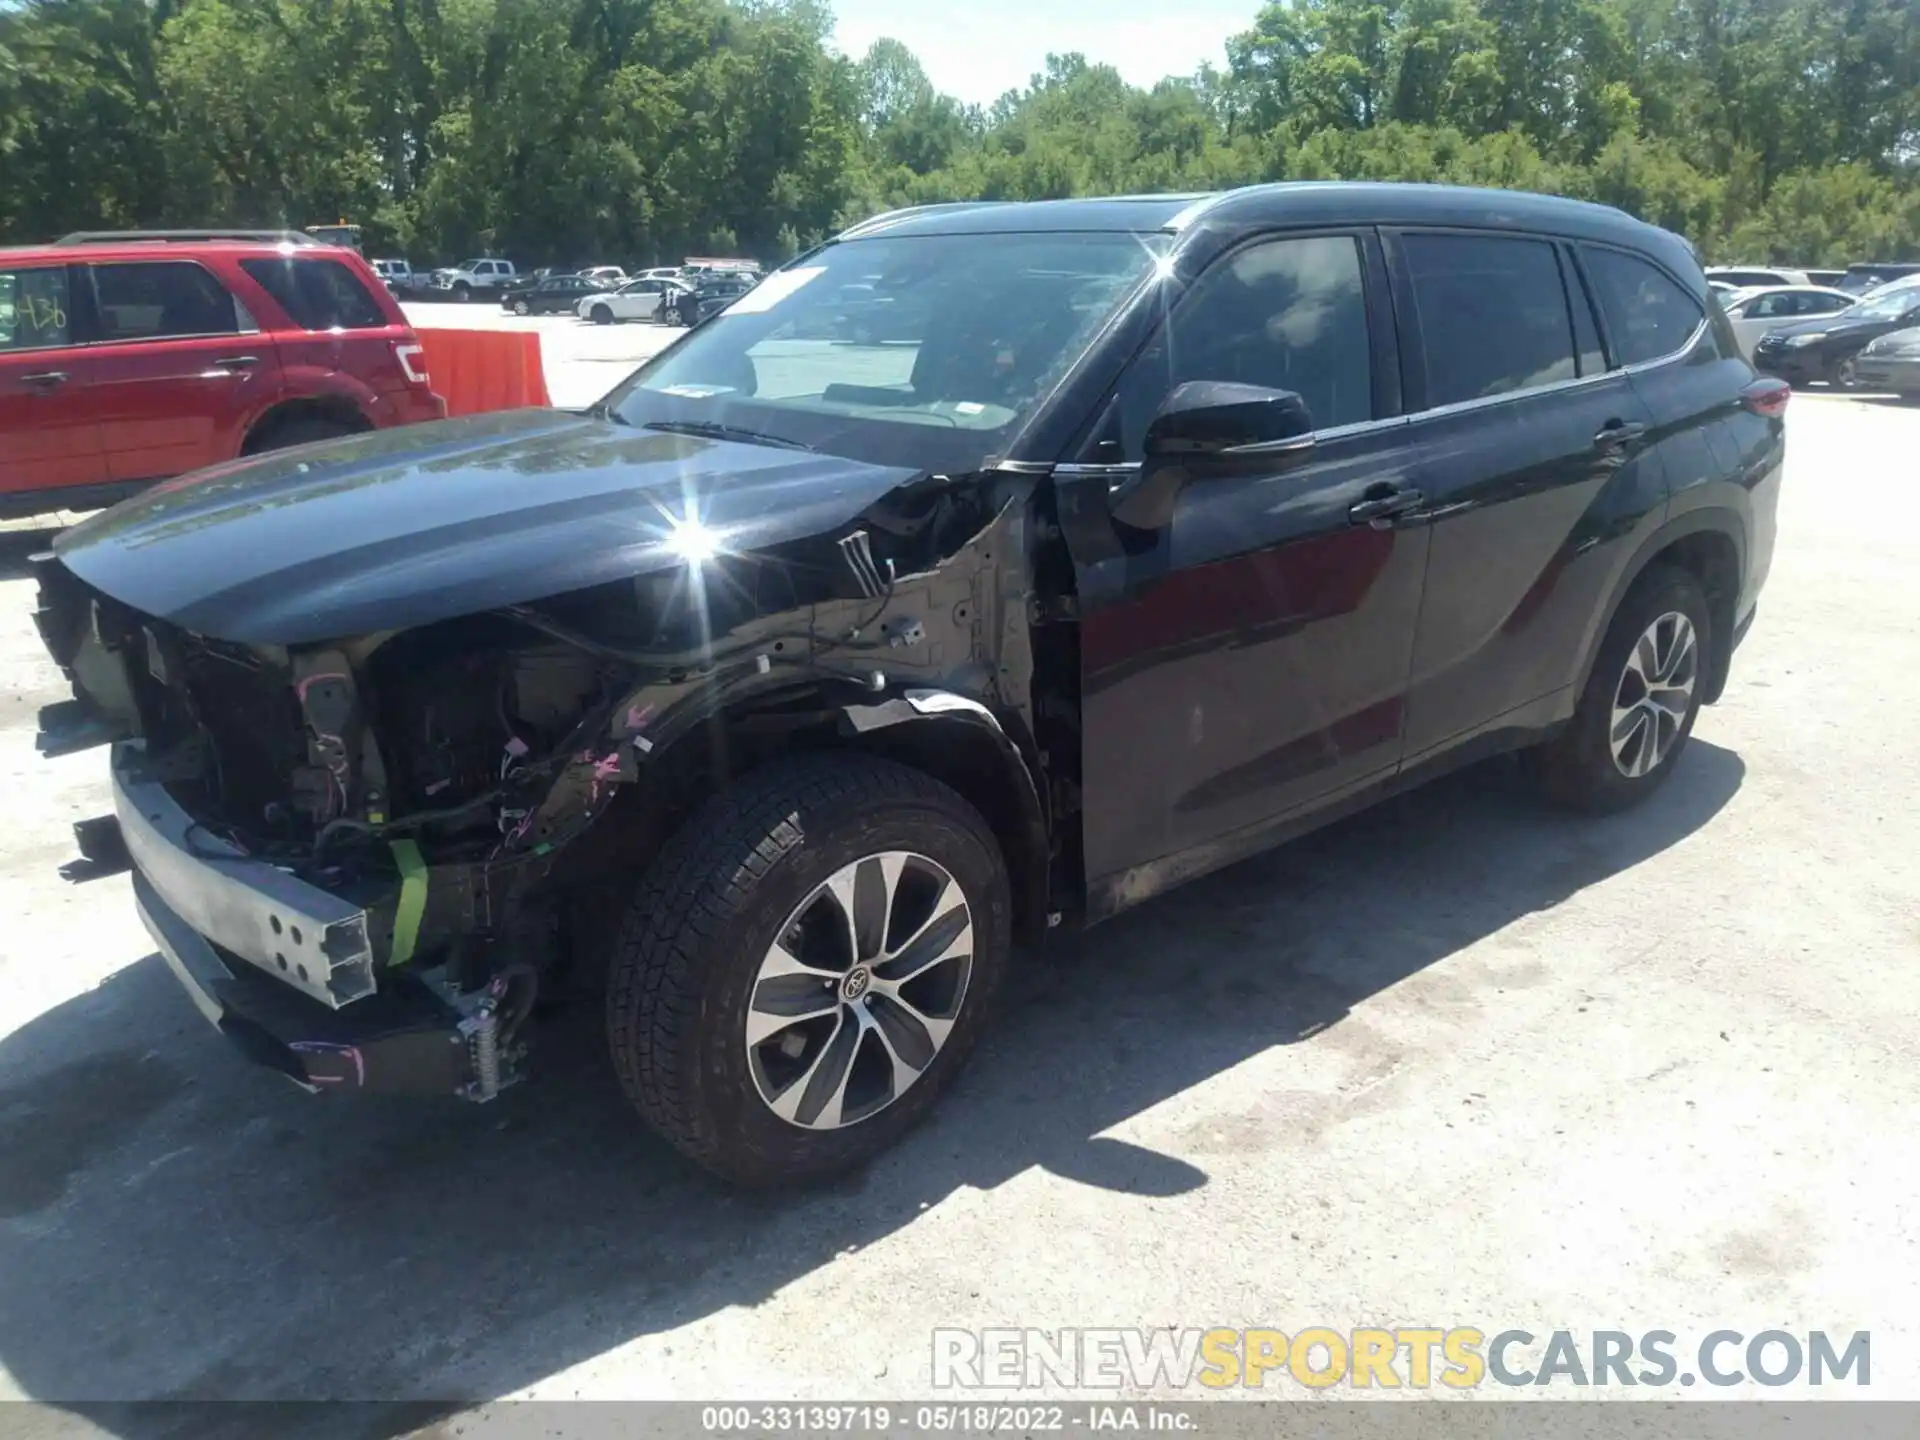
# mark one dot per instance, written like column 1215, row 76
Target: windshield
column 1890, row 306
column 927, row 350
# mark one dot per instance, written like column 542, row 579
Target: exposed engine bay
column 458, row 782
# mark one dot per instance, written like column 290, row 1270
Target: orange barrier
column 475, row 371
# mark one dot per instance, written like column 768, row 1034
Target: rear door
column 51, row 438
column 1530, row 455
column 177, row 366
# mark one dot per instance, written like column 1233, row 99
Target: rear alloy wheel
column 1843, row 375
column 1637, row 711
column 520, row 307
column 806, row 966
column 602, row 315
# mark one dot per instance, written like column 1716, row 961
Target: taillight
column 1767, row 397
column 413, row 361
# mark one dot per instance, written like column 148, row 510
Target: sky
column 980, row 48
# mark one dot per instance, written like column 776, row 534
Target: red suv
column 129, row 358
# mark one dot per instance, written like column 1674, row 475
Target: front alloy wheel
column 1655, row 694
column 520, row 307
column 1844, row 375
column 860, row 991
column 806, row 964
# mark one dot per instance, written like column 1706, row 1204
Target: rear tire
column 299, row 432
column 602, row 315
column 1636, row 713
column 714, row 941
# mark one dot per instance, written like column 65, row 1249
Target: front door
column 48, row 436
column 1248, row 662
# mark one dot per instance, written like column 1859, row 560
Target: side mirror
column 1207, row 427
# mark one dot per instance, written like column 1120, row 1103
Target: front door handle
column 1618, row 432
column 237, row 362
column 1382, row 506
column 46, row 379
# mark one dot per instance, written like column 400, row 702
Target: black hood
column 408, row 526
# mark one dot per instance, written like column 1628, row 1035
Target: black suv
column 792, row 684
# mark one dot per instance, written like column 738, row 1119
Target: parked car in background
column 707, row 295
column 636, row 300
column 612, row 274
column 126, row 359
column 1861, row 278
column 1826, row 347
column 1828, row 278
column 473, row 277
column 1746, row 276
column 1891, row 362
column 554, row 295
column 399, row 278
column 1764, row 309
column 790, row 686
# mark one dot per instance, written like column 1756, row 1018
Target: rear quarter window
column 1648, row 314
column 318, row 294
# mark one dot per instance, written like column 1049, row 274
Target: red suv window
column 160, row 299
column 318, row 294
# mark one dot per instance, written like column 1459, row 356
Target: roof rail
column 110, row 237
column 890, row 217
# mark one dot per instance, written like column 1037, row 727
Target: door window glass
column 1284, row 315
column 33, row 308
column 158, row 299
column 1648, row 314
column 1493, row 314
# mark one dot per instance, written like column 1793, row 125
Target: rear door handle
column 1618, row 432
column 1381, row 506
column 46, row 379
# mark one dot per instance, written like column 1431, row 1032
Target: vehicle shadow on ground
column 176, row 1225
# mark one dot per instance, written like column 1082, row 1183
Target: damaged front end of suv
column 380, row 782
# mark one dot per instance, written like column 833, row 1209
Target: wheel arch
column 949, row 737
column 1711, row 545
column 334, row 407
column 961, row 743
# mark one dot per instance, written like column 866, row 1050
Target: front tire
column 463, row 292
column 520, row 307
column 602, row 315
column 806, row 966
column 1636, row 713
column 1843, row 374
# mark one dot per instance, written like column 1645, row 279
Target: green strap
column 413, row 900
